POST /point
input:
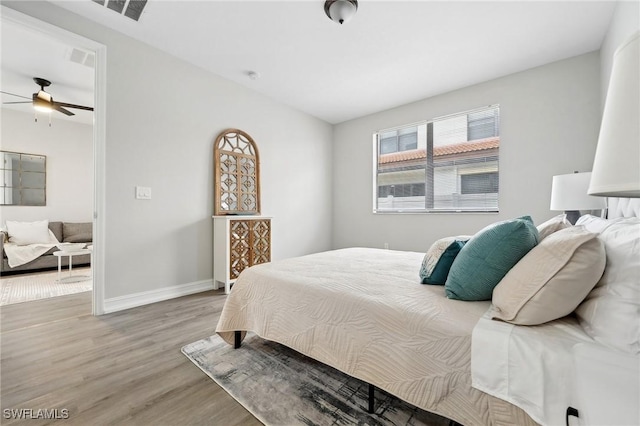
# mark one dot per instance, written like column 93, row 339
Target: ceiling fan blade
column 64, row 104
column 58, row 108
column 13, row 94
column 21, row 102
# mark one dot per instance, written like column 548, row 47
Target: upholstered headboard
column 623, row 207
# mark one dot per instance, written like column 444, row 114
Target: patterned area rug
column 25, row 288
column 282, row 387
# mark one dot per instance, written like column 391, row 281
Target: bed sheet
column 529, row 366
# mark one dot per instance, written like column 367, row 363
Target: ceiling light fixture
column 42, row 101
column 340, row 11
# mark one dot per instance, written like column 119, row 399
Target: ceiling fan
column 43, row 101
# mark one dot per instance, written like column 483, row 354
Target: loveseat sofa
column 65, row 232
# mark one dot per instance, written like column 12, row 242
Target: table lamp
column 616, row 166
column 569, row 193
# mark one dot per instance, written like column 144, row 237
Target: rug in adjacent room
column 279, row 386
column 26, row 288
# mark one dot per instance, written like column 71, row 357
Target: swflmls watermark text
column 32, row 414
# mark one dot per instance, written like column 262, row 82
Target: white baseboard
column 128, row 301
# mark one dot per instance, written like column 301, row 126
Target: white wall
column 69, row 150
column 550, row 117
column 163, row 115
column 625, row 21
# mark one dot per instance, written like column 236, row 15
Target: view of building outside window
column 446, row 164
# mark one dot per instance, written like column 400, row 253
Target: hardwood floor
column 124, row 368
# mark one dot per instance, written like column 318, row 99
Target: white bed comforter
column 364, row 312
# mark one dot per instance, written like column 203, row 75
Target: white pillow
column 596, row 224
column 23, row 233
column 552, row 279
column 611, row 312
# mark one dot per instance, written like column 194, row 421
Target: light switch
column 143, row 193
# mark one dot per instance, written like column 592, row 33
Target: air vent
column 82, row 57
column 129, row 8
column 117, row 5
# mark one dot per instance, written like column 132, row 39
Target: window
column 399, row 140
column 479, row 183
column 483, row 124
column 447, row 164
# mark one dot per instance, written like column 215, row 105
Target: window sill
column 437, row 212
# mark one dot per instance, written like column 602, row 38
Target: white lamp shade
column 569, row 192
column 342, row 11
column 616, row 167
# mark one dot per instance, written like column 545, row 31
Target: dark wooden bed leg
column 237, row 340
column 371, row 399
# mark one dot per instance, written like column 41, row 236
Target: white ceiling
column 391, row 53
column 26, row 54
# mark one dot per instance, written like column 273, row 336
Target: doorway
column 98, row 50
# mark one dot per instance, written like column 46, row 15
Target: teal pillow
column 438, row 260
column 487, row 258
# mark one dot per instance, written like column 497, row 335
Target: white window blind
column 447, row 164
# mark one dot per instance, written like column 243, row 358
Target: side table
column 71, row 278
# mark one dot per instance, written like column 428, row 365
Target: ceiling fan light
column 40, row 103
column 42, row 108
column 44, row 96
column 340, row 11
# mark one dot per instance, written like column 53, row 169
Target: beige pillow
column 552, row 225
column 552, row 279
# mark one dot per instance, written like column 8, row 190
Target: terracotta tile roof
column 394, row 157
column 458, row 148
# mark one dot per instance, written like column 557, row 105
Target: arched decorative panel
column 237, row 174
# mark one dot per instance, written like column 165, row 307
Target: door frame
column 98, row 262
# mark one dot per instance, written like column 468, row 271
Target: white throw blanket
column 19, row 255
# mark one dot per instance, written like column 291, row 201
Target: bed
column 360, row 311
column 363, row 312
